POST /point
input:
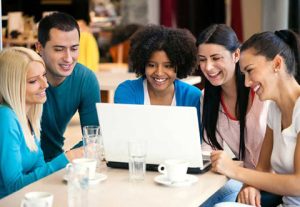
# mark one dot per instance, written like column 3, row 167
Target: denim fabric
column 269, row 199
column 227, row 193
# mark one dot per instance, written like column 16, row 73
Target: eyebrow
column 151, row 61
column 246, row 67
column 62, row 46
column 213, row 55
column 36, row 76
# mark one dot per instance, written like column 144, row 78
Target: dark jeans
column 270, row 199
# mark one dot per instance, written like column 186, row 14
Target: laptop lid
column 171, row 133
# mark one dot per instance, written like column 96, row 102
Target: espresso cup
column 37, row 199
column 83, row 164
column 174, row 169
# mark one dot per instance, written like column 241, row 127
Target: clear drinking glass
column 93, row 143
column 78, row 186
column 137, row 160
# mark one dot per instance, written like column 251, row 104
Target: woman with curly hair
column 159, row 56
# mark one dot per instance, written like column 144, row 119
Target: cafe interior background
column 246, row 17
column 113, row 21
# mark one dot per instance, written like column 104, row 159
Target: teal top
column 18, row 165
column 79, row 91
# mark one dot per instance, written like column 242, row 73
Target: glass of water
column 93, row 143
column 137, row 151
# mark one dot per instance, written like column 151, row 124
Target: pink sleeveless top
column 228, row 131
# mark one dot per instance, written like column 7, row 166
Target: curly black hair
column 178, row 44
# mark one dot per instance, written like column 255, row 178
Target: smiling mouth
column 160, row 80
column 256, row 88
column 213, row 75
column 66, row 67
column 43, row 93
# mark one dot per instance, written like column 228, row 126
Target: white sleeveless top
column 284, row 143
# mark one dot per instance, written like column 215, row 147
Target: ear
column 277, row 63
column 38, row 47
column 236, row 55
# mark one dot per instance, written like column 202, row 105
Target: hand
column 222, row 164
column 249, row 195
column 75, row 153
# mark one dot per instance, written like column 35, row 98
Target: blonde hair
column 14, row 63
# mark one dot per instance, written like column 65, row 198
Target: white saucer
column 189, row 180
column 98, row 178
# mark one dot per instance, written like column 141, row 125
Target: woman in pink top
column 232, row 113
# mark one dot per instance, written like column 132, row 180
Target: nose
column 44, row 82
column 68, row 56
column 207, row 66
column 248, row 82
column 159, row 69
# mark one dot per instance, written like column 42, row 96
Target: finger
column 252, row 199
column 242, row 198
column 257, row 200
column 239, row 198
column 215, row 153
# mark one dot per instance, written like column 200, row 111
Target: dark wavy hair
column 59, row 20
column 282, row 42
column 178, row 44
column 223, row 35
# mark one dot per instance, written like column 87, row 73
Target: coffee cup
column 81, row 165
column 174, row 169
column 37, row 199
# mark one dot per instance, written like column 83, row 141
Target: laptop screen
column 171, row 132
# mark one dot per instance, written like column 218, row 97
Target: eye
column 74, row 48
column 151, row 65
column 216, row 58
column 169, row 66
column 201, row 59
column 248, row 71
column 32, row 81
column 58, row 49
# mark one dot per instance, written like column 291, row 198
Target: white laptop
column 171, row 132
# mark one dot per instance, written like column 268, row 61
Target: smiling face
column 36, row 84
column 217, row 63
column 60, row 54
column 160, row 73
column 260, row 74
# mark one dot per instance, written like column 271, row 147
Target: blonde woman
column 22, row 93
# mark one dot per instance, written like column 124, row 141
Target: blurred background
column 113, row 21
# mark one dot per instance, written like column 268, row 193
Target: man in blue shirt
column 72, row 86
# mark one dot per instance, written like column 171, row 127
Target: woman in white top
column 270, row 62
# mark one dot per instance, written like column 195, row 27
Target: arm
column 282, row 184
column 19, row 166
column 264, row 161
column 90, row 95
column 251, row 195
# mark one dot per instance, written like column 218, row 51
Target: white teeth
column 256, row 88
column 213, row 74
column 65, row 66
column 160, row 79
